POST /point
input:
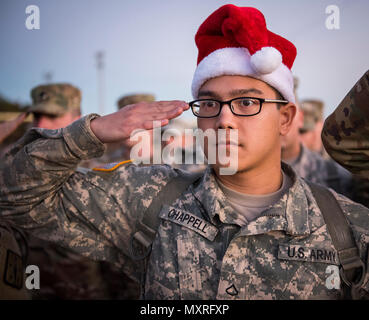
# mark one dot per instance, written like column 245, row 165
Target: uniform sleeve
column 346, row 131
column 91, row 213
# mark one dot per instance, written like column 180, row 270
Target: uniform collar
column 291, row 213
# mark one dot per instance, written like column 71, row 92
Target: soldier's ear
column 287, row 116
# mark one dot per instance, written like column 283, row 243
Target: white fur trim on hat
column 265, row 65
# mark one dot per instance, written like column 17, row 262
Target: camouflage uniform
column 345, row 136
column 346, row 131
column 64, row 274
column 199, row 251
column 313, row 167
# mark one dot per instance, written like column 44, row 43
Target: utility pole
column 100, row 81
column 48, row 76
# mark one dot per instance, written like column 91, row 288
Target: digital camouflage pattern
column 313, row 167
column 199, row 251
column 346, row 131
column 55, row 99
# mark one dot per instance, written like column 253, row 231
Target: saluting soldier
column 64, row 274
column 256, row 234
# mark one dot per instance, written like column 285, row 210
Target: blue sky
column 149, row 46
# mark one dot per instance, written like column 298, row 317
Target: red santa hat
column 235, row 41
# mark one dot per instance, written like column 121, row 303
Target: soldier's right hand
column 118, row 126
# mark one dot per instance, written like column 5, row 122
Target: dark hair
column 278, row 96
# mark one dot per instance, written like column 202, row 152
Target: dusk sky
column 149, row 46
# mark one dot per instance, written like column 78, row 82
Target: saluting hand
column 118, row 126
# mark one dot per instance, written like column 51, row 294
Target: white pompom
column 266, row 60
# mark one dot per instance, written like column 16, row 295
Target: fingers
column 7, row 128
column 161, row 107
column 136, row 116
column 162, row 112
column 150, row 124
column 162, row 119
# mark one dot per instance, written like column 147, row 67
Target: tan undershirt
column 248, row 206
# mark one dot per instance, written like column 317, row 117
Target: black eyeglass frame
column 229, row 102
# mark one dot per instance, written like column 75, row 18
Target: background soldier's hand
column 8, row 127
column 119, row 125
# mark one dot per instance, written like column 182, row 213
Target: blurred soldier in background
column 311, row 165
column 64, row 274
column 135, row 98
column 346, row 136
column 55, row 105
column 14, row 122
column 313, row 124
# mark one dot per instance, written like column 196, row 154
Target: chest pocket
column 317, row 273
column 189, row 269
column 308, row 283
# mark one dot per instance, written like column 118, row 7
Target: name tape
column 311, row 254
column 190, row 221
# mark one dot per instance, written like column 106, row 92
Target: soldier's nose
column 226, row 119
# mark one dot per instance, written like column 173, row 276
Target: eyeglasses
column 243, row 106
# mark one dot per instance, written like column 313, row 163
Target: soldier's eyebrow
column 232, row 93
column 241, row 92
column 208, row 93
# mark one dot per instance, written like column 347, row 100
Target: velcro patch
column 310, row 254
column 13, row 274
column 190, row 221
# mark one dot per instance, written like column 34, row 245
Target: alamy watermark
column 332, row 22
column 32, row 17
column 333, row 280
column 220, row 147
column 33, row 279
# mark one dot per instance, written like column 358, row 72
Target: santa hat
column 235, row 41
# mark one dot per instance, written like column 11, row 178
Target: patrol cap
column 135, row 98
column 313, row 112
column 55, row 99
